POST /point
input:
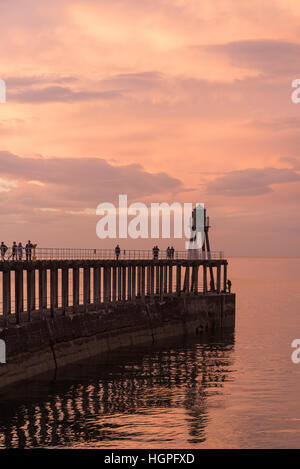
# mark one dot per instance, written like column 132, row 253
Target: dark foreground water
column 229, row 390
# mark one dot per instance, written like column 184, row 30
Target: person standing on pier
column 172, row 250
column 229, row 286
column 117, row 251
column 28, row 250
column 20, row 251
column 14, row 251
column 3, row 249
column 155, row 251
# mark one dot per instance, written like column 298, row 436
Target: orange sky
column 166, row 100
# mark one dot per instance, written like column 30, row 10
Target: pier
column 40, row 288
column 57, row 311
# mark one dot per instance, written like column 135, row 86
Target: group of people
column 170, row 252
column 16, row 251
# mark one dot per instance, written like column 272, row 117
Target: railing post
column 18, row 294
column 75, row 288
column 65, row 289
column 178, row 279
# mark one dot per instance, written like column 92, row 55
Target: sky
column 166, row 101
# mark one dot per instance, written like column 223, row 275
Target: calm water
column 228, row 390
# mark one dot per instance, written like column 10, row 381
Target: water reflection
column 86, row 404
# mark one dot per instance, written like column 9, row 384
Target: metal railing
column 88, row 253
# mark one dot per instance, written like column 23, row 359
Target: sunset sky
column 163, row 100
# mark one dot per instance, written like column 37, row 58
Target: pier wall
column 44, row 344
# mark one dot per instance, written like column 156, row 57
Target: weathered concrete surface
column 42, row 345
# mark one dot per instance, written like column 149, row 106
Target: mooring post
column 42, row 289
column 148, row 280
column 218, row 278
column 157, row 279
column 96, row 285
column 133, row 285
column 109, row 284
column 225, row 277
column 124, row 282
column 75, row 288
column 165, row 278
column 139, row 281
column 178, row 279
column 6, row 295
column 30, row 291
column 114, row 287
column 204, row 278
column 152, row 281
column 18, row 294
column 65, row 289
column 53, row 290
column 170, row 278
column 161, row 282
column 143, row 283
column 196, row 270
column 129, row 286
column 86, row 287
column 119, row 283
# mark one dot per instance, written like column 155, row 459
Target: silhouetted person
column 28, row 250
column 168, row 253
column 20, row 251
column 229, row 286
column 3, row 249
column 155, row 251
column 117, row 251
column 14, row 251
column 172, row 250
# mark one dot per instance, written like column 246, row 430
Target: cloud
column 251, row 182
column 81, row 182
column 59, row 94
column 266, row 55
